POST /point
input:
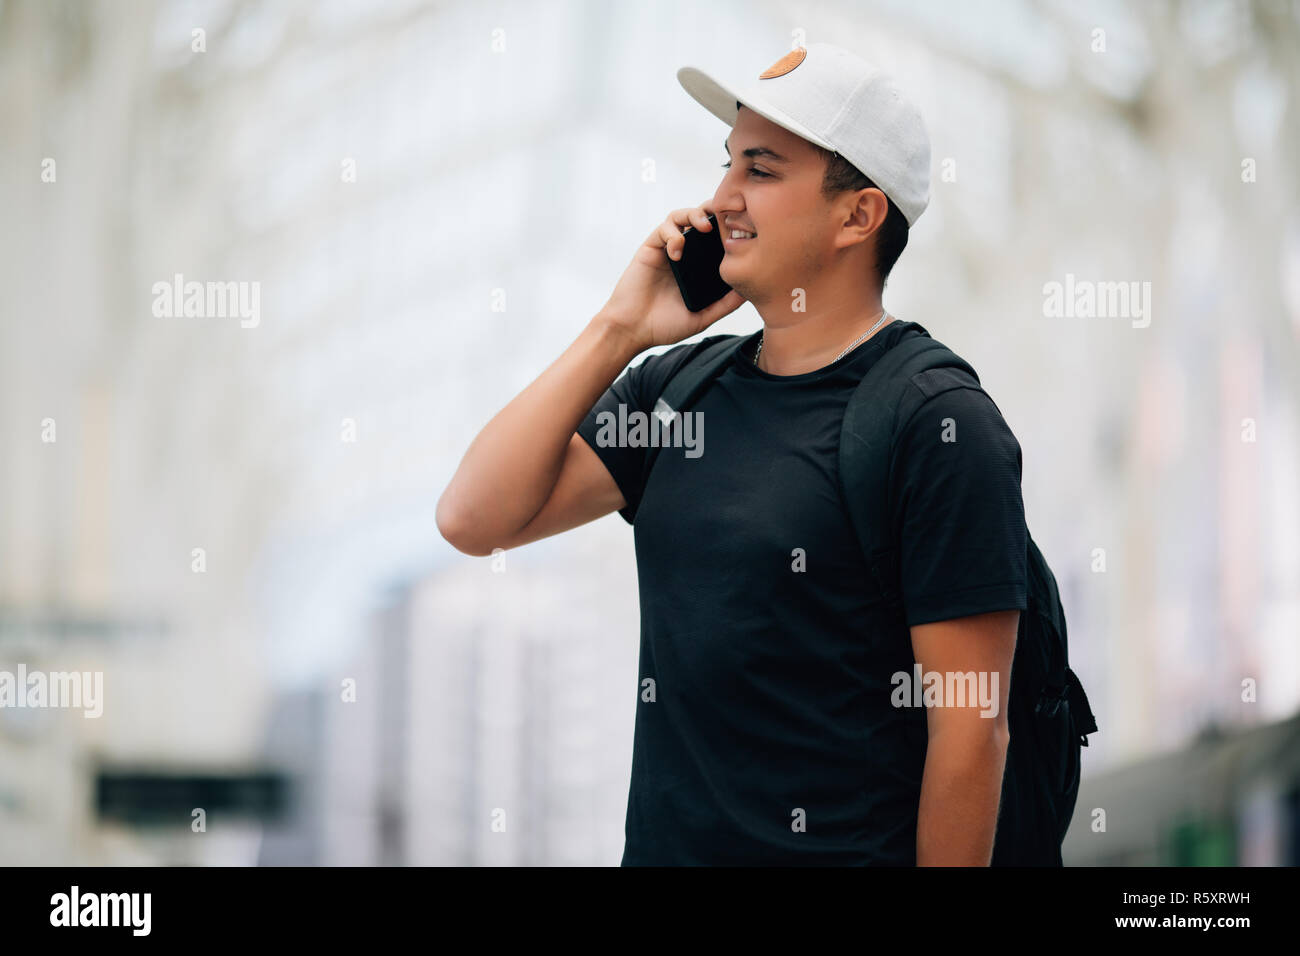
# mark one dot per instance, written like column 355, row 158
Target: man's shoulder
column 948, row 388
column 952, row 398
column 654, row 371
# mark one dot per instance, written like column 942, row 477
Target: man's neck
column 812, row 341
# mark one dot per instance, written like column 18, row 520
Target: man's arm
column 512, row 468
column 526, row 476
column 966, row 752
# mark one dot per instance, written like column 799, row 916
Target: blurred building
column 492, row 723
column 1230, row 798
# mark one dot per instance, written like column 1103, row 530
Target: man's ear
column 873, row 207
column 864, row 213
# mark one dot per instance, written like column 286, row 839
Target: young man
column 767, row 731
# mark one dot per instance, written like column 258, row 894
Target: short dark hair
column 891, row 237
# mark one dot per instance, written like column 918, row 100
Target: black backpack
column 1048, row 714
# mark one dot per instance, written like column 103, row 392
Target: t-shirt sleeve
column 625, row 464
column 638, row 388
column 959, row 514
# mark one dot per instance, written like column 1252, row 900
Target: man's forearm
column 960, row 790
column 512, row 465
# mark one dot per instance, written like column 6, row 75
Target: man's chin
column 740, row 284
column 730, row 274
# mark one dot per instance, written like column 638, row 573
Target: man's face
column 779, row 198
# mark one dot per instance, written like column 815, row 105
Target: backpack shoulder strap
column 688, row 383
column 908, row 374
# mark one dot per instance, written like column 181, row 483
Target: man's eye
column 753, row 171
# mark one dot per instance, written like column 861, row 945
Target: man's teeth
column 737, row 234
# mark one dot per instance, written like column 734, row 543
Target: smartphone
column 697, row 270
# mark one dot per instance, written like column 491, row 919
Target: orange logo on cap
column 784, row 65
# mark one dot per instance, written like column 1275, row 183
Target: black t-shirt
column 765, row 733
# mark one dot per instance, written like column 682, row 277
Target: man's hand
column 646, row 304
column 966, row 751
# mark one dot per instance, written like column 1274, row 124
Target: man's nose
column 726, row 200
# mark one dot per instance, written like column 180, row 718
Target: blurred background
column 227, row 511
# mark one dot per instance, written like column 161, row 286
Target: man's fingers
column 670, row 236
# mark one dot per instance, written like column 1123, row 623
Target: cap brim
column 720, row 100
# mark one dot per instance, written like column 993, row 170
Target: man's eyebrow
column 755, row 151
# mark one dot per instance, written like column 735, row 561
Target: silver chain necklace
column 881, row 321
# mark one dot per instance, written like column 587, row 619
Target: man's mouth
column 736, row 236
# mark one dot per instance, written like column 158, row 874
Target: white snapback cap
column 840, row 102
